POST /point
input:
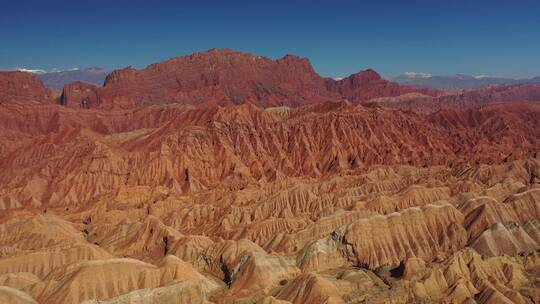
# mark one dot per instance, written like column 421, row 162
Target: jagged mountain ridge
column 226, row 77
column 211, row 146
column 457, row 82
column 396, row 199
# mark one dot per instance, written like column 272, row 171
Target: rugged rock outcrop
column 103, row 279
column 368, row 84
column 71, row 159
column 21, row 86
column 510, row 239
column 330, row 202
column 79, row 95
column 153, row 223
column 427, row 232
column 458, row 100
column 225, row 77
column 493, row 94
column 219, row 75
column 468, row 276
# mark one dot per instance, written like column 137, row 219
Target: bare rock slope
column 134, row 199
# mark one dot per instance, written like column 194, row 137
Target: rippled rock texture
column 134, row 199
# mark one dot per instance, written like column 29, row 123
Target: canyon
column 226, row 177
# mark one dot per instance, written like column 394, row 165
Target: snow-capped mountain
column 56, row 78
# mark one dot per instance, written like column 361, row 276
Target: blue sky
column 500, row 38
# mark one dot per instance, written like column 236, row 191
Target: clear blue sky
column 340, row 37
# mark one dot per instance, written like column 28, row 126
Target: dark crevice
column 186, row 174
column 398, row 271
column 227, row 277
column 165, row 245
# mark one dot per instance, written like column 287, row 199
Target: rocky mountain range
column 226, row 177
column 457, row 82
column 58, row 79
column 228, row 77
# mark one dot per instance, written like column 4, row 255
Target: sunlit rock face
column 227, row 77
column 303, row 191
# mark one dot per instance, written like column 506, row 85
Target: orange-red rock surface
column 228, row 77
column 357, row 191
column 368, row 84
column 20, row 86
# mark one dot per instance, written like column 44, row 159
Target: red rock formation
column 499, row 93
column 191, row 149
column 427, row 232
column 151, row 223
column 328, row 202
column 21, row 86
column 223, row 76
column 229, row 77
column 80, row 95
column 368, row 84
column 459, row 100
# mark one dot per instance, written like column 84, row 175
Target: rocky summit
column 227, row 77
column 226, row 177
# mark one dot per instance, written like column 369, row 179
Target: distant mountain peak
column 456, row 82
column 416, row 75
column 57, row 78
column 482, row 76
column 32, row 71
